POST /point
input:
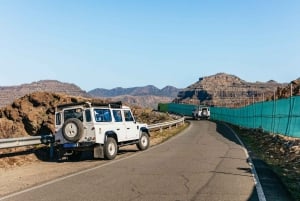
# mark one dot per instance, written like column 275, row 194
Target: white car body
column 85, row 125
column 201, row 112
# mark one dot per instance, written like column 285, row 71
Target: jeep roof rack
column 71, row 104
column 117, row 104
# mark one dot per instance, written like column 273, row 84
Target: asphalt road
column 205, row 162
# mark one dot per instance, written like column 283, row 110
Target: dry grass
column 159, row 137
column 281, row 153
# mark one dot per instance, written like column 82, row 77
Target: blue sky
column 127, row 43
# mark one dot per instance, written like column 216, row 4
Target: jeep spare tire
column 72, row 130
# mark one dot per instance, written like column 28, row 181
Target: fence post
column 288, row 127
column 273, row 114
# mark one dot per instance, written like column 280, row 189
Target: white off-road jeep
column 102, row 128
column 201, row 112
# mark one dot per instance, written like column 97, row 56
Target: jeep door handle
column 128, row 128
column 118, row 129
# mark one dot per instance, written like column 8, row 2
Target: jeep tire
column 72, row 130
column 144, row 141
column 110, row 149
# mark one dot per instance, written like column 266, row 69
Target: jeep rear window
column 73, row 113
column 102, row 115
column 88, row 117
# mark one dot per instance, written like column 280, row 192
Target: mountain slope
column 9, row 93
column 147, row 96
column 142, row 101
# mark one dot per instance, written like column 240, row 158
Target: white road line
column 259, row 189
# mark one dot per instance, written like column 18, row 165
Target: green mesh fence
column 280, row 116
column 175, row 108
column 163, row 107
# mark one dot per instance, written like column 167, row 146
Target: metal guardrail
column 35, row 140
column 166, row 124
column 19, row 142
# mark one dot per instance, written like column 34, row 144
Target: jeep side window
column 88, row 116
column 102, row 115
column 117, row 115
column 128, row 115
column 58, row 119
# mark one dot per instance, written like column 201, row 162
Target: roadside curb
column 259, row 189
column 269, row 185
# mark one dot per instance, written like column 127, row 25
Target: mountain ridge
column 167, row 91
column 134, row 95
column 220, row 89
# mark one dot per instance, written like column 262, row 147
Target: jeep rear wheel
column 72, row 130
column 110, row 148
column 144, row 141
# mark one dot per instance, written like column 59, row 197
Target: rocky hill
column 227, row 90
column 9, row 93
column 284, row 92
column 149, row 90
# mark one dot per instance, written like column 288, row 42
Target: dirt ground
column 28, row 171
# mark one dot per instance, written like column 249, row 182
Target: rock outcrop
column 226, row 90
column 293, row 88
column 32, row 114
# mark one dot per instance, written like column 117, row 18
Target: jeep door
column 119, row 125
column 132, row 131
column 89, row 130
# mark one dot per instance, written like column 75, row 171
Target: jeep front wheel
column 110, row 148
column 144, row 141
